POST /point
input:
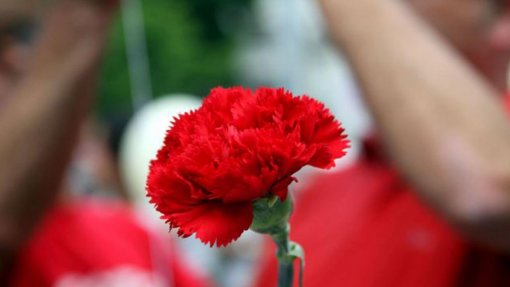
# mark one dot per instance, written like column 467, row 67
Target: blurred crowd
column 88, row 89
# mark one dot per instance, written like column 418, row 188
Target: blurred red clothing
column 364, row 227
column 99, row 244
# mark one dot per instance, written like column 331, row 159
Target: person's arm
column 38, row 125
column 439, row 119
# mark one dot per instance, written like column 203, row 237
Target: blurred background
column 95, row 226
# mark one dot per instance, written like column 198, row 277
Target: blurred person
column 431, row 208
column 48, row 237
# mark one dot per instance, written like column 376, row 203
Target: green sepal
column 271, row 215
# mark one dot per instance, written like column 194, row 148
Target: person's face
column 479, row 29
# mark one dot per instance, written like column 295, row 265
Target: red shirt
column 365, row 227
column 98, row 244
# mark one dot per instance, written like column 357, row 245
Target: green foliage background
column 190, row 43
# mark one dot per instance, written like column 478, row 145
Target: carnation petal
column 281, row 188
column 322, row 159
column 213, row 222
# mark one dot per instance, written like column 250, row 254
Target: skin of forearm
column 39, row 125
column 440, row 120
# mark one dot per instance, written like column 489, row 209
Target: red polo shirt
column 364, row 227
column 99, row 244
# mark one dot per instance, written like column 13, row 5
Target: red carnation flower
column 238, row 147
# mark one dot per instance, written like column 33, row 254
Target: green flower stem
column 271, row 217
column 285, row 274
column 285, row 260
